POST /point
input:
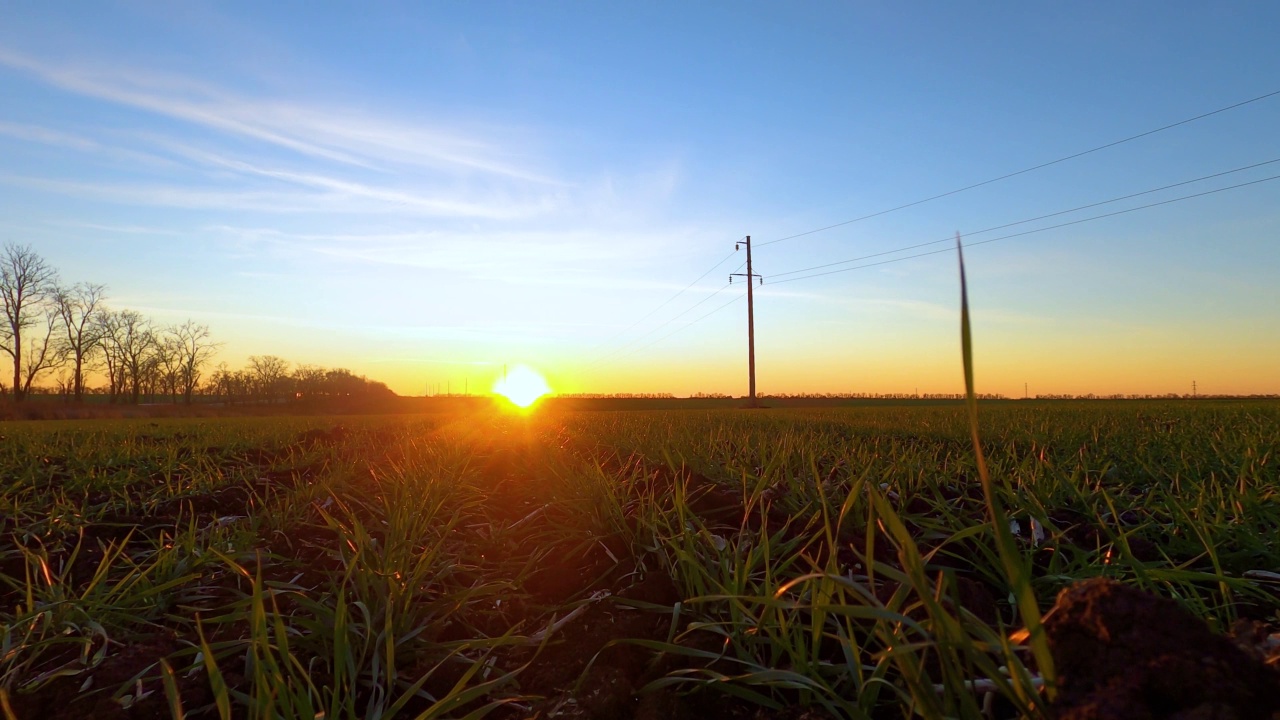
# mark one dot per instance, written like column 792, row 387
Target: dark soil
column 134, row 665
column 1121, row 653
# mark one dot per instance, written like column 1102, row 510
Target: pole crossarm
column 738, row 246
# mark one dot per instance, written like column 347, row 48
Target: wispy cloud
column 951, row 313
column 420, row 200
column 119, row 229
column 922, row 309
column 333, row 134
column 171, row 312
column 329, row 196
column 36, row 133
column 316, row 159
column 80, row 143
column 175, row 196
column 571, row 258
column 296, row 157
column 493, row 331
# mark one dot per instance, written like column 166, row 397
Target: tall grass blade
column 9, row 714
column 1010, row 557
column 217, row 683
column 171, row 691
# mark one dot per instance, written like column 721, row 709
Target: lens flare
column 522, row 386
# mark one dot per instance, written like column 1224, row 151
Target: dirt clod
column 1120, row 652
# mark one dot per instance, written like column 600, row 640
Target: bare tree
column 26, row 285
column 309, row 380
column 107, row 327
column 243, row 384
column 166, row 354
column 63, row 384
column 130, row 347
column 270, row 373
column 79, row 307
column 341, row 382
column 221, row 382
column 152, row 372
column 194, row 349
column 43, row 352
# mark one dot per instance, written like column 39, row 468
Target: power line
column 928, row 199
column 1026, row 170
column 666, row 302
column 684, row 327
column 656, row 328
column 1023, row 222
column 939, row 196
column 944, row 250
column 1027, row 232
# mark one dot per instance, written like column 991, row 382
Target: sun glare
column 522, row 386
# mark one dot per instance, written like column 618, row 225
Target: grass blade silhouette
column 1015, row 568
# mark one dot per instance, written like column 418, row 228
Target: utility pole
column 1193, row 388
column 751, row 322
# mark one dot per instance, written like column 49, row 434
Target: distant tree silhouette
column 309, row 381
column 192, row 348
column 271, row 377
column 27, row 286
column 130, row 343
column 48, row 325
column 78, row 308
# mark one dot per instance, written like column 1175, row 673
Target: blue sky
column 425, row 191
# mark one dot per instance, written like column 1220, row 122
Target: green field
column 802, row 563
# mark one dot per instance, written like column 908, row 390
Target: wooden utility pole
column 751, row 322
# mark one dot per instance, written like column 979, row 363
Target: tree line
column 52, row 327
column 269, row 379
column 615, row 396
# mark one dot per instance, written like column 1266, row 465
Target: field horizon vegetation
column 473, row 560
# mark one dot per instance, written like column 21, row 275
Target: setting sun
column 522, row 386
